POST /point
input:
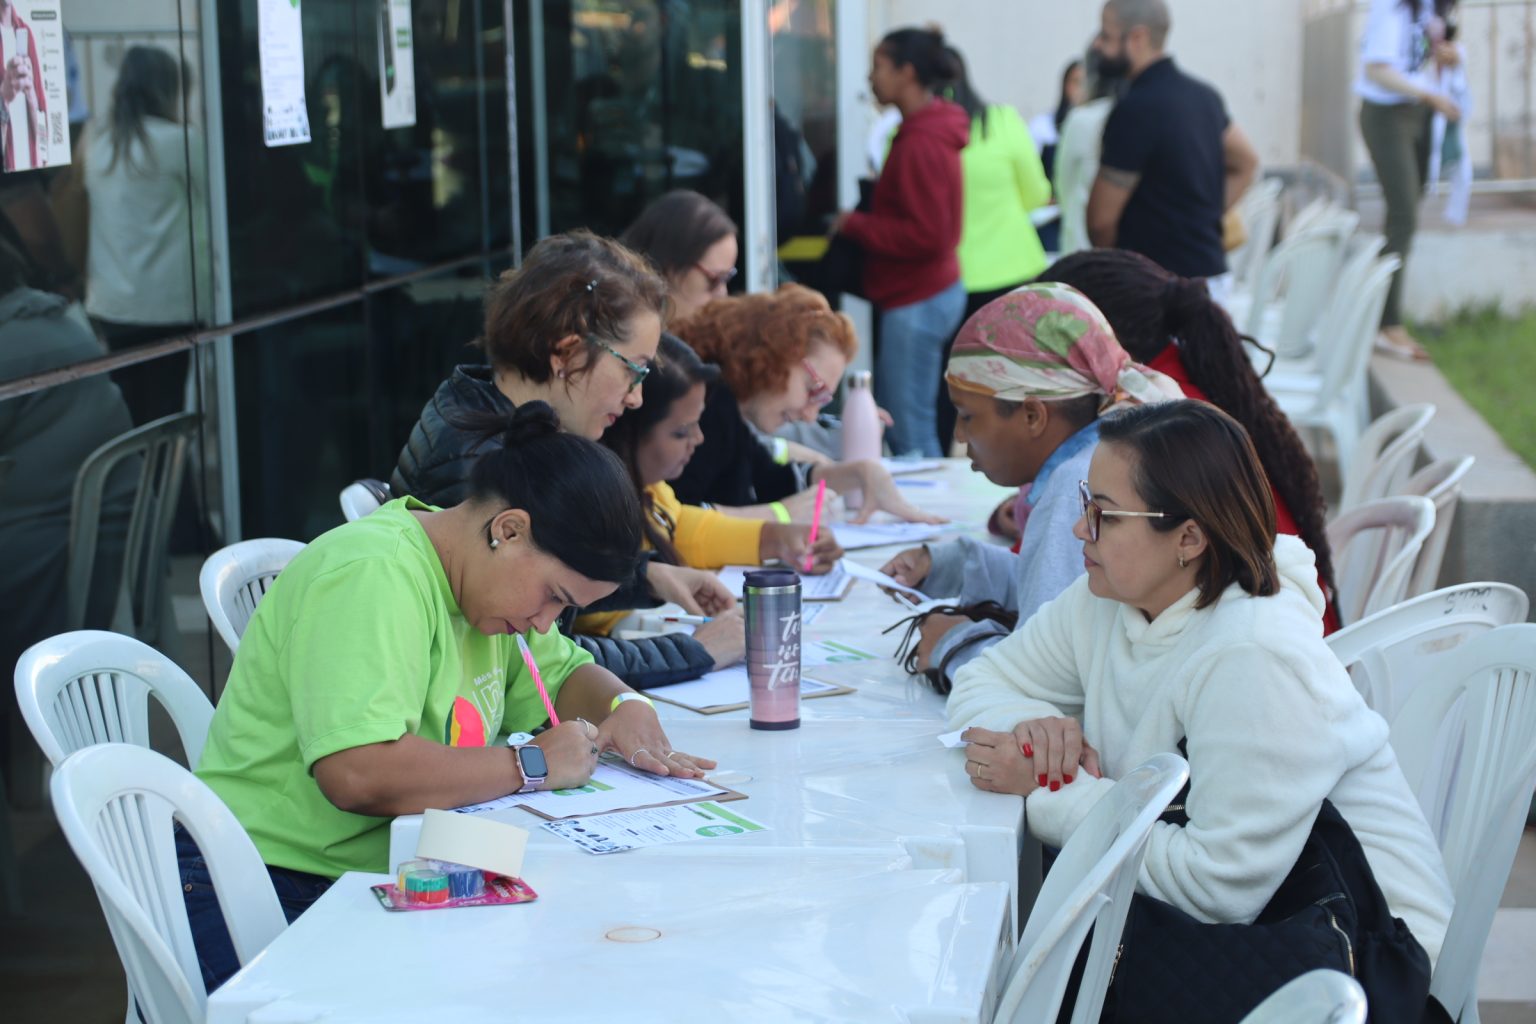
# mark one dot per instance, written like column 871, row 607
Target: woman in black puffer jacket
column 575, row 326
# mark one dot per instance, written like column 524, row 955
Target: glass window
column 642, row 97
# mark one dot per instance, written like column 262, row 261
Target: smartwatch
column 531, row 762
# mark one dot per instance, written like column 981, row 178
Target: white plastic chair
column 1317, row 997
column 361, row 497
column 160, row 449
column 1440, row 482
column 1384, row 653
column 1375, row 547
column 1292, row 289
column 234, row 580
column 1260, row 211
column 116, row 804
column 1089, row 886
column 1479, row 795
column 1296, row 373
column 88, row 687
column 1385, row 455
column 1331, row 402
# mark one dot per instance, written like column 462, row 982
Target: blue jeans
column 296, row 891
column 910, row 369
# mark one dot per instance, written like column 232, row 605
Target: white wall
column 1248, row 49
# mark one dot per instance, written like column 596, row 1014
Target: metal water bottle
column 772, row 607
column 862, row 431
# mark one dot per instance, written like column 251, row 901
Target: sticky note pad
column 473, row 841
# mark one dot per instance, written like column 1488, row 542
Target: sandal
column 1404, row 347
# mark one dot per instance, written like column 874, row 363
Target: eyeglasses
column 716, row 281
column 637, row 371
column 820, row 391
column 1094, row 513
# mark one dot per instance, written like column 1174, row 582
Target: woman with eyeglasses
column 692, row 242
column 575, row 326
column 1197, row 629
column 781, row 355
column 655, row 442
column 1031, row 375
column 1173, row 325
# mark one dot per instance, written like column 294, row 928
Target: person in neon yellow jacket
column 1003, row 181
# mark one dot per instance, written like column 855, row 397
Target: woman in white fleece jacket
column 1194, row 622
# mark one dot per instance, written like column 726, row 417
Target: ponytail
column 924, row 49
column 1149, row 308
column 581, row 507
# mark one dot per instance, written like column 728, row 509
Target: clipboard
column 719, row 794
column 819, row 689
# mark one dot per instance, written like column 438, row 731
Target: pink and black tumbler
column 772, row 600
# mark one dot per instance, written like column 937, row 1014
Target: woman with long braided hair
column 1171, row 324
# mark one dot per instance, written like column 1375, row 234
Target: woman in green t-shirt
column 380, row 671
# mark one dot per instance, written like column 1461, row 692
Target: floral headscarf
column 1048, row 341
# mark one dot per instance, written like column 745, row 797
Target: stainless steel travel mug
column 772, row 608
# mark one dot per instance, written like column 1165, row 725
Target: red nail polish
column 1042, row 780
column 1067, row 779
column 1029, row 751
column 1055, row 786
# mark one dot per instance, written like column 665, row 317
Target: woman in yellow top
column 655, row 442
column 1004, row 181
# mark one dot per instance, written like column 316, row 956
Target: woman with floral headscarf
column 1030, row 375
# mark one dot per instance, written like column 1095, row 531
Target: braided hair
column 1150, row 308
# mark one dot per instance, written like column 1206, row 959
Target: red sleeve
column 924, row 221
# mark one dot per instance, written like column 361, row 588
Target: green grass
column 1491, row 360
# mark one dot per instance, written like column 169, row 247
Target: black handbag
column 840, row 271
column 1327, row 913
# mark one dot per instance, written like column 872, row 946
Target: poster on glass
column 34, row 111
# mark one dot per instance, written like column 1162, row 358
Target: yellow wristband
column 780, row 448
column 621, row 698
column 779, row 511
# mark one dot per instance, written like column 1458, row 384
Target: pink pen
column 538, row 680
column 821, row 499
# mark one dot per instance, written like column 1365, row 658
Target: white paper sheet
column 615, row 833
column 952, row 739
column 876, row 535
column 397, row 63
column 280, row 36
column 831, row 587
column 724, row 687
column 614, row 786
column 901, row 467
column 880, row 579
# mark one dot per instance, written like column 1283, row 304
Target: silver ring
column 635, row 755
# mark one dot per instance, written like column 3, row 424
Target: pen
column 692, row 620
column 538, row 680
column 821, row 499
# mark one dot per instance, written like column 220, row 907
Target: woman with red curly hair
column 781, row 356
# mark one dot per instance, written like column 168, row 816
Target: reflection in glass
column 642, row 98
column 331, row 398
column 146, row 275
column 45, row 437
column 804, row 116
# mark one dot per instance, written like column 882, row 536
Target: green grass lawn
column 1491, row 360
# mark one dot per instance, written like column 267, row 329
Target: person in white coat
column 1194, row 622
